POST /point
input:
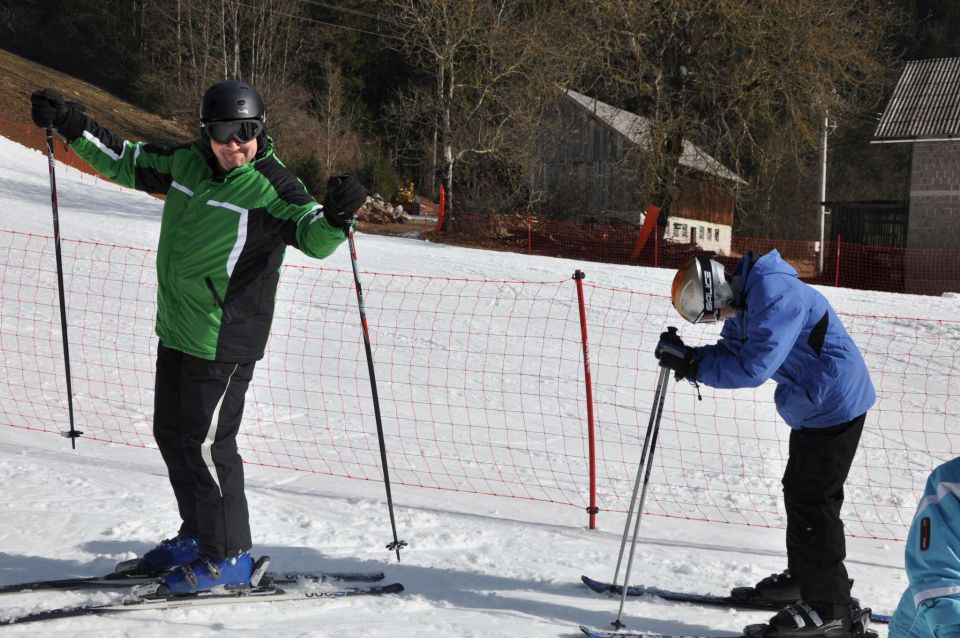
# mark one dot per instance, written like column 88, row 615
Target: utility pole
column 823, row 189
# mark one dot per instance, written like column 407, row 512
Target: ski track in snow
column 476, row 566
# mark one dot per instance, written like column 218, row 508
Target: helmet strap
column 708, row 286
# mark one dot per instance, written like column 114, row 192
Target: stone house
column 924, row 111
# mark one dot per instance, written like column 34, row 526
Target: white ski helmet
column 700, row 290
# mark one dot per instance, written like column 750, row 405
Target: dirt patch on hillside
column 20, row 77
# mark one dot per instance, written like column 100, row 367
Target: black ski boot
column 775, row 588
column 800, row 620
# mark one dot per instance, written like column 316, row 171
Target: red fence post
column 836, row 275
column 649, row 226
column 440, row 213
column 578, row 276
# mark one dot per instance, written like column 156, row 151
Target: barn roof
column 925, row 105
column 636, row 128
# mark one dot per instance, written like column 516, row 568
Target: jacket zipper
column 219, row 300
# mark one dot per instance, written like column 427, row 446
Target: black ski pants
column 198, row 405
column 817, row 468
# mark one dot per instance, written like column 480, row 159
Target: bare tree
column 192, row 43
column 490, row 65
column 732, row 76
column 337, row 144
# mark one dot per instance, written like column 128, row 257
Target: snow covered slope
column 476, row 566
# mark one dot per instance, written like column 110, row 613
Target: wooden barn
column 588, row 168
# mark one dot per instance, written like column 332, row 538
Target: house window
column 676, row 230
column 700, row 235
column 683, row 230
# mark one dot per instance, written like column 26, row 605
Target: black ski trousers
column 198, row 406
column 817, row 468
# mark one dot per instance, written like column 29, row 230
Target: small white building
column 711, row 236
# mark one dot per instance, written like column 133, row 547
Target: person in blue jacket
column 930, row 607
column 777, row 327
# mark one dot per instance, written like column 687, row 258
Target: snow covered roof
column 925, row 104
column 636, row 128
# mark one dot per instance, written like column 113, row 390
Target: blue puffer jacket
column 787, row 331
column 930, row 607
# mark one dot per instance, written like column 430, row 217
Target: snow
column 476, row 565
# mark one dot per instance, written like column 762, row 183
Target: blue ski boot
column 170, row 553
column 206, row 573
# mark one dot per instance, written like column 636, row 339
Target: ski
column 624, row 633
column 267, row 591
column 696, row 599
column 132, row 580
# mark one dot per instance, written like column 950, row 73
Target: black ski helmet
column 232, row 100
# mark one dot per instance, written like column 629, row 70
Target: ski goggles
column 240, row 130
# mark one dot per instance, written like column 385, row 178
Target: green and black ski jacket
column 222, row 237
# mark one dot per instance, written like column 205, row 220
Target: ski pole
column 665, row 373
column 655, row 416
column 73, row 433
column 661, row 386
column 396, row 544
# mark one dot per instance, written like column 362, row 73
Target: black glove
column 345, row 194
column 48, row 108
column 673, row 354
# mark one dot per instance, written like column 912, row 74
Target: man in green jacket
column 231, row 210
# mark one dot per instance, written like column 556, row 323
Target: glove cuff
column 72, row 124
column 339, row 220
